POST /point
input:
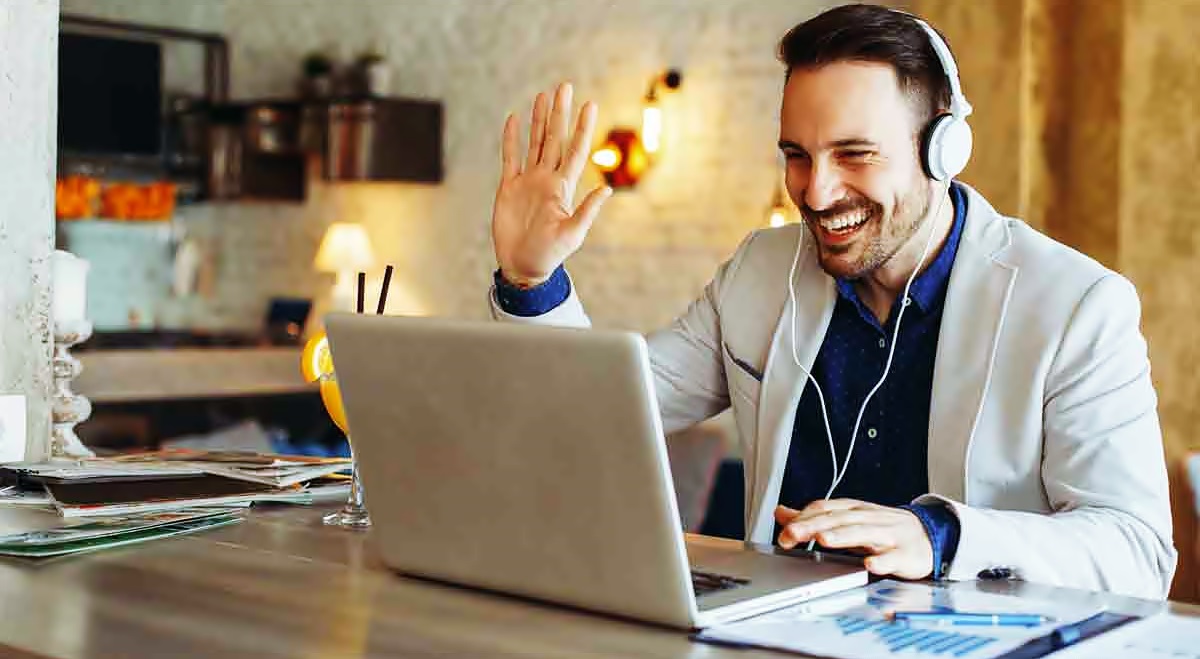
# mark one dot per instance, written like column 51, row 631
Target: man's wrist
column 535, row 300
column 942, row 528
column 522, row 282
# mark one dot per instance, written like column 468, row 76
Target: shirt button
column 882, row 343
column 907, row 301
column 871, row 433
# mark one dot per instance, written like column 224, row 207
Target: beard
column 879, row 238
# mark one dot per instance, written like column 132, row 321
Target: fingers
column 784, row 515
column 537, row 131
column 581, row 141
column 804, row 529
column 886, row 563
column 872, row 537
column 821, row 516
column 556, row 129
column 824, row 506
column 510, row 166
column 579, row 223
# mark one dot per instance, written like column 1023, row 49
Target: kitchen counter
column 140, row 375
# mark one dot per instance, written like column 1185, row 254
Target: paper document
column 1164, row 636
column 98, row 469
column 95, row 543
column 268, row 469
column 857, row 624
column 69, row 532
column 35, row 534
column 12, row 495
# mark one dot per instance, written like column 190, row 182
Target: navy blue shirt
column 890, row 458
column 889, row 464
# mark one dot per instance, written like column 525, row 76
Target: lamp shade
column 344, row 248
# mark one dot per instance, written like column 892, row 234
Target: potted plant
column 318, row 75
column 372, row 72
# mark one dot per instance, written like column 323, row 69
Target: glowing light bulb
column 652, row 127
column 778, row 218
column 607, row 158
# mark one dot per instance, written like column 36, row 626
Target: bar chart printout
column 858, row 625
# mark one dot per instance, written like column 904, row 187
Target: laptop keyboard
column 706, row 583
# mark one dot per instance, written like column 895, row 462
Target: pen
column 961, row 618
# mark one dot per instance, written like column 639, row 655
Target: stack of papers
column 174, row 480
column 29, row 533
column 273, row 470
column 59, row 508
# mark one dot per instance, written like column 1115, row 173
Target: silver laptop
column 531, row 461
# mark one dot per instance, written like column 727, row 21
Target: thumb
column 579, row 223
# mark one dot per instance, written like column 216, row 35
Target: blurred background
column 277, row 116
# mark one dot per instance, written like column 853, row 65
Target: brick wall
column 652, row 249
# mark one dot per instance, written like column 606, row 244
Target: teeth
column 844, row 222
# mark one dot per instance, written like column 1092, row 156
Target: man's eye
column 794, row 155
column 856, row 155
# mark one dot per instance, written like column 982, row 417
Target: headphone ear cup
column 946, row 147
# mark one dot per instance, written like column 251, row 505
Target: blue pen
column 961, row 618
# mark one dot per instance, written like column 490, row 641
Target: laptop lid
column 527, row 460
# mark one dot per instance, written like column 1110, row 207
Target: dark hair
column 870, row 33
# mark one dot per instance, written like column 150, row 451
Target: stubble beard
column 893, row 232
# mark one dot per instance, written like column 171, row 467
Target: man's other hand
column 894, row 538
column 535, row 223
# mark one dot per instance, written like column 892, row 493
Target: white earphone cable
column 839, row 474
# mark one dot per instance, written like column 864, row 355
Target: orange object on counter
column 130, row 201
column 82, row 196
column 75, row 197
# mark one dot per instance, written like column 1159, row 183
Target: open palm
column 534, row 225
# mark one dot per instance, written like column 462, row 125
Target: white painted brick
column 652, row 249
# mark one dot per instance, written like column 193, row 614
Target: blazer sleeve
column 1102, row 467
column 685, row 357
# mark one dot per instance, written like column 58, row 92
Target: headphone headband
column 959, row 107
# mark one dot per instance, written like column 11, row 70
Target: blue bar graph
column 898, row 637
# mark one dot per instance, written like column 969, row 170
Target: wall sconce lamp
column 627, row 153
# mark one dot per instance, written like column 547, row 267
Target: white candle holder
column 68, row 408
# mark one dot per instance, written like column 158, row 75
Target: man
column 979, row 401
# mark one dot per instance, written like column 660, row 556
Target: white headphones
column 945, row 149
column 947, row 141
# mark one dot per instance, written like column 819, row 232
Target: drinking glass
column 317, row 365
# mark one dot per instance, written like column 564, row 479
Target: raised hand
column 535, row 225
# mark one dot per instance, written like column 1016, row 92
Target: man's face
column 849, row 135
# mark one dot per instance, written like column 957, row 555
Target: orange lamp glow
column 607, row 158
column 622, row 159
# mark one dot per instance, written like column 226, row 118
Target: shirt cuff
column 941, row 525
column 535, row 301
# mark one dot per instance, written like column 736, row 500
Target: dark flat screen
column 109, row 95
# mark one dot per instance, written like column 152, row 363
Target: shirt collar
column 928, row 287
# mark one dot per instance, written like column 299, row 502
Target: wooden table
column 281, row 585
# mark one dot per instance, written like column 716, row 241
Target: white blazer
column 1043, row 430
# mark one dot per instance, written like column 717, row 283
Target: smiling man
column 913, row 375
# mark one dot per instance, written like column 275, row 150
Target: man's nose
column 824, row 187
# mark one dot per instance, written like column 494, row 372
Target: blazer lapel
column 782, row 386
column 972, row 320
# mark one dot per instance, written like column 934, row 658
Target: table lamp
column 344, row 250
